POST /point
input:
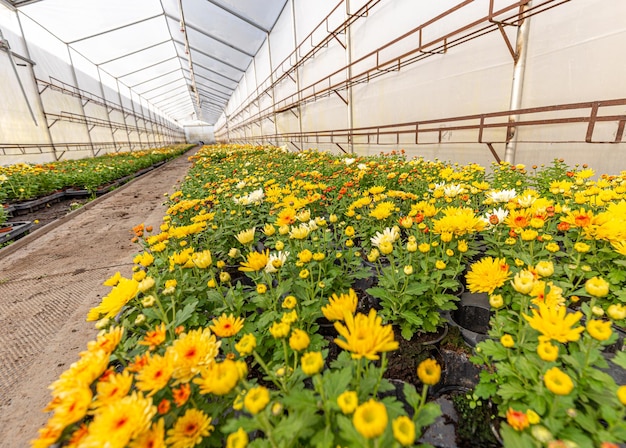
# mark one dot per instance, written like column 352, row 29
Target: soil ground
column 50, row 279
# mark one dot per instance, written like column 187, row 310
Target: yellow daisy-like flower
column 115, row 387
column 507, row 341
column 555, row 323
column 226, row 326
column 289, row 302
column 383, row 210
column 496, row 300
column 112, row 303
column 189, row 430
column 339, row 305
column 616, row 311
column 403, row 430
column 192, row 352
column 599, row 330
column 544, row 268
column 305, row 256
column 487, row 274
column 219, row 378
column 155, row 374
column 246, row 236
column 121, row 421
column 280, row 330
column 548, row 351
column 429, row 372
column 558, row 382
column 523, row 281
column 370, row 419
column 256, row 399
column 348, row 401
column 312, row 363
column 238, row 439
column 597, row 287
column 202, row 259
column 113, row 280
column 153, row 438
column 70, row 405
column 145, row 259
column 255, row 261
column 246, row 345
column 299, row 340
column 365, row 336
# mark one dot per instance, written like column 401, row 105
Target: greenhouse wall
column 57, row 104
column 427, row 67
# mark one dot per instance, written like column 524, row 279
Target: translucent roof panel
column 147, row 45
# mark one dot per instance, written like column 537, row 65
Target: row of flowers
column 214, row 338
column 24, row 181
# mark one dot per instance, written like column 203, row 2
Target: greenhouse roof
column 185, row 57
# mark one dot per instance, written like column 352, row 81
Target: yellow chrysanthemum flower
column 403, row 430
column 339, row 305
column 255, row 261
column 597, row 287
column 621, row 394
column 71, row 405
column 280, row 330
column 219, row 378
column 192, row 352
column 383, row 210
column 189, row 430
column 299, row 340
column 246, row 345
column 226, row 326
column 312, row 363
column 155, row 374
column 348, row 401
column 555, row 323
column 115, row 387
column 365, row 336
column 547, row 351
column 429, row 372
column 112, row 303
column 256, row 399
column 558, row 382
column 523, row 281
column 202, row 259
column 246, row 237
column 154, row 437
column 238, row 439
column 121, row 421
column 599, row 330
column 487, row 274
column 370, row 419
column 507, row 341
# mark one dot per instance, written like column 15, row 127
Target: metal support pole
column 518, row 83
column 349, row 77
column 119, row 95
column 272, row 83
column 82, row 108
column 132, row 106
column 106, row 108
column 296, row 73
column 38, row 96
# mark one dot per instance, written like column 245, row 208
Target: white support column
column 519, row 69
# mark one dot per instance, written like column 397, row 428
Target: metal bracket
column 493, row 152
column 339, row 95
column 341, row 147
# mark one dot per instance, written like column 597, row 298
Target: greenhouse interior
column 330, row 223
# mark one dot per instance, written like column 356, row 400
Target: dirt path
column 48, row 282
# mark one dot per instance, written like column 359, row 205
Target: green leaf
column 336, row 382
column 620, row 359
column 512, row 391
column 427, row 415
column 515, row 439
column 185, row 314
column 493, row 349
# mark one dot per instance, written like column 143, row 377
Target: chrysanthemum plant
column 546, row 371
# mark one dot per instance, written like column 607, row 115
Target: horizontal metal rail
column 589, row 113
column 83, row 95
column 36, row 148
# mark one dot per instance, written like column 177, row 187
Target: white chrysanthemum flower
column 526, row 201
column 362, row 166
column 390, row 234
column 498, row 213
column 275, row 261
column 349, row 161
column 241, row 184
column 256, row 197
column 453, row 190
column 498, row 196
